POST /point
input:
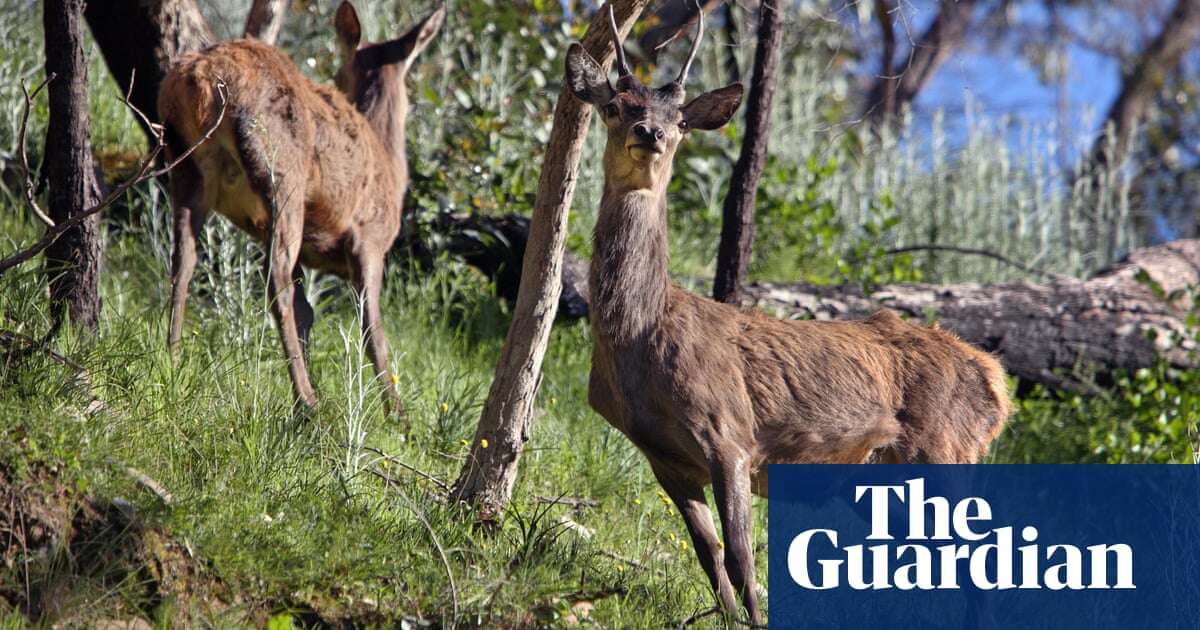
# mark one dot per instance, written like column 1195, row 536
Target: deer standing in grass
column 317, row 175
column 712, row 394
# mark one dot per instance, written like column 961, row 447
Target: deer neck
column 386, row 111
column 628, row 278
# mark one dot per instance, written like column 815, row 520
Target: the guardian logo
column 974, row 554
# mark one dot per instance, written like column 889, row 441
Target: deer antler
column 622, row 64
column 687, row 65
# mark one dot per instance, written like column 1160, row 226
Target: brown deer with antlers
column 317, row 175
column 712, row 394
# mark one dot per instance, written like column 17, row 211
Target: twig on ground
column 577, row 503
column 442, row 485
column 621, row 558
column 708, row 612
column 146, row 482
column 10, row 339
column 19, row 347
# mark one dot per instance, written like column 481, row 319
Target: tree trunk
column 1144, row 79
column 72, row 262
column 1112, row 321
column 265, row 20
column 140, row 38
column 737, row 224
column 901, row 86
column 490, row 473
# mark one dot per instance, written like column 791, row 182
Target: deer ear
column 349, row 29
column 423, row 33
column 587, row 79
column 712, row 110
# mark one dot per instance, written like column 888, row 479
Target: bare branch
column 979, row 252
column 443, row 486
column 576, row 503
column 144, row 173
column 29, row 187
column 145, row 481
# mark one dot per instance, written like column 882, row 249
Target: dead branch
column 145, row 481
column 442, row 485
column 972, row 251
column 10, row 339
column 144, row 173
column 576, row 503
column 693, row 618
column 29, row 187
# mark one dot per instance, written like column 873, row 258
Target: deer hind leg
column 731, row 488
column 189, row 212
column 280, row 188
column 689, row 498
column 367, row 268
column 282, row 262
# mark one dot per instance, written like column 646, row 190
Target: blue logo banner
column 984, row 546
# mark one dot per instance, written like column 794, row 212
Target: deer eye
column 683, row 125
column 611, row 111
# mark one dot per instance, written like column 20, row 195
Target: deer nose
column 646, row 133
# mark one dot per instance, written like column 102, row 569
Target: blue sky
column 999, row 83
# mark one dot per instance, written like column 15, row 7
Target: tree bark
column 73, row 262
column 265, row 20
column 901, row 86
column 1112, row 321
column 488, row 478
column 1144, row 79
column 140, row 38
column 737, row 224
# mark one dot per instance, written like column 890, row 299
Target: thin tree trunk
column 928, row 53
column 737, row 226
column 265, row 20
column 1144, row 79
column 72, row 262
column 490, row 473
column 140, row 38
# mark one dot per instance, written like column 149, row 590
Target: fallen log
column 1125, row 317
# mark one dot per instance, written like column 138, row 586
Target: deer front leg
column 187, row 197
column 368, row 276
column 282, row 260
column 731, row 489
column 689, row 498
